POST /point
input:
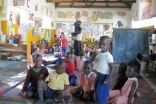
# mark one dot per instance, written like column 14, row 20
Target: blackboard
column 129, row 42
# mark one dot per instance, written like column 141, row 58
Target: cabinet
column 16, row 49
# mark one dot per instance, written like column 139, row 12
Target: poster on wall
column 72, row 29
column 84, row 28
column 38, row 23
column 41, row 32
column 24, row 35
column 47, row 36
column 58, row 25
column 58, row 31
column 4, row 15
column 64, row 28
column 94, row 28
column 29, row 26
column 36, row 32
column 18, row 2
column 3, row 38
column 9, row 24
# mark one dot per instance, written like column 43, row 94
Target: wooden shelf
column 15, row 50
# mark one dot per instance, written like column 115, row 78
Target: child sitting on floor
column 126, row 94
column 122, row 78
column 86, row 87
column 37, row 72
column 80, row 60
column 70, row 68
column 55, row 87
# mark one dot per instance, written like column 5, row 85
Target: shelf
column 12, row 50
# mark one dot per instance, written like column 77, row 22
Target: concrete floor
column 11, row 72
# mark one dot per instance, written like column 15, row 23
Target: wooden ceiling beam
column 93, row 7
column 77, row 1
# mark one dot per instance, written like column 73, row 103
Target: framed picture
column 38, row 22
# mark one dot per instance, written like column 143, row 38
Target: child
column 80, row 60
column 47, row 46
column 126, row 94
column 34, row 74
column 103, row 67
column 86, row 50
column 72, row 51
column 86, row 87
column 55, row 87
column 91, row 52
column 63, row 43
column 122, row 78
column 70, row 68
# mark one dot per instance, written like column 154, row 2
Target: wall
column 44, row 11
column 95, row 15
column 143, row 13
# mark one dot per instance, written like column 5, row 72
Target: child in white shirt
column 103, row 67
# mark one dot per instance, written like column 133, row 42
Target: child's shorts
column 64, row 49
column 50, row 93
column 31, row 89
column 72, row 79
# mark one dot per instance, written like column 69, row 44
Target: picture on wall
column 38, row 22
column 18, row 2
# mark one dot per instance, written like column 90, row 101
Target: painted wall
column 94, row 15
column 41, row 10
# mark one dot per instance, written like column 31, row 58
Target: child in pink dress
column 126, row 94
column 85, row 90
column 80, row 60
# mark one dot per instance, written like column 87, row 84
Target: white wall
column 46, row 17
column 126, row 20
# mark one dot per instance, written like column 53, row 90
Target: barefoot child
column 37, row 72
column 103, row 66
column 56, row 82
column 126, row 94
column 85, row 90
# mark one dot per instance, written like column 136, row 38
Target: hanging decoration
column 18, row 2
column 42, row 9
column 28, row 3
column 61, row 14
column 107, row 15
column 94, row 16
column 100, row 14
column 121, row 13
column 77, row 15
column 84, row 13
column 47, row 12
column 36, row 7
column 3, row 9
column 69, row 14
column 51, row 13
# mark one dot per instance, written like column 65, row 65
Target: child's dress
column 79, row 62
column 122, row 96
column 73, row 58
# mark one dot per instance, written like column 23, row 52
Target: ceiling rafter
column 77, row 1
column 93, row 7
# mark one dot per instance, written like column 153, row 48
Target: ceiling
column 92, row 3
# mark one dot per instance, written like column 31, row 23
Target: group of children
column 93, row 85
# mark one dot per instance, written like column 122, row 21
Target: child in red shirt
column 47, row 46
column 34, row 74
column 70, row 68
column 85, row 90
column 63, row 42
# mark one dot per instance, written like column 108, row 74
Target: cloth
column 78, row 37
column 50, row 93
column 121, row 80
column 101, row 89
column 63, row 42
column 121, row 96
column 56, row 81
column 79, row 62
column 69, row 67
column 101, row 62
column 72, row 79
column 64, row 49
column 77, row 47
column 33, row 77
column 87, row 82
